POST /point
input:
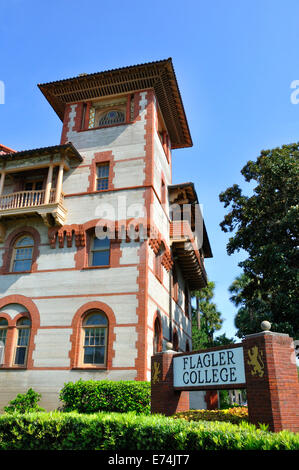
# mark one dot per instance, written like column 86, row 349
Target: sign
column 209, row 369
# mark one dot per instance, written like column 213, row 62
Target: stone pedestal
column 164, row 399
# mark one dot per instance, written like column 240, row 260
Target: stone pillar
column 48, row 184
column 59, row 181
column 272, row 381
column 2, row 179
column 164, row 399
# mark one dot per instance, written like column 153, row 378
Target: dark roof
column 68, row 149
column 159, row 75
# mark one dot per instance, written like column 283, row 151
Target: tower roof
column 4, row 150
column 158, row 75
column 66, row 149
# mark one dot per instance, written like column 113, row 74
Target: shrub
column 24, row 403
column 233, row 415
column 104, row 395
column 129, row 431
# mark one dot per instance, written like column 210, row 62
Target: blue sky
column 234, row 60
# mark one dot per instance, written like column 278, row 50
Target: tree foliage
column 210, row 320
column 266, row 226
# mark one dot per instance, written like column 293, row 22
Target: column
column 48, row 184
column 164, row 399
column 271, row 381
column 2, row 179
column 59, row 181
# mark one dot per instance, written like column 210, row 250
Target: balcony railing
column 24, row 199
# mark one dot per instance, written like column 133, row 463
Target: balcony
column 27, row 203
column 31, row 184
column 185, row 249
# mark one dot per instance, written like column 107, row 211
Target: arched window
column 99, row 252
column 22, row 254
column 158, row 262
column 3, row 334
column 175, row 341
column 157, row 346
column 112, row 117
column 175, row 287
column 23, row 329
column 95, row 330
column 187, row 300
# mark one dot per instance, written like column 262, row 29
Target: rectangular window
column 175, row 287
column 102, row 181
column 100, row 252
column 22, row 345
column 84, row 107
column 94, row 345
column 3, row 332
column 22, row 260
column 163, row 192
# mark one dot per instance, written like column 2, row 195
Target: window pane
column 103, row 171
column 24, row 321
column 23, row 336
column 88, row 355
column 99, row 355
column 3, row 322
column 20, row 355
column 96, row 319
column 99, row 243
column 23, row 254
column 3, row 332
column 94, row 355
column 100, row 258
column 112, row 117
column 20, row 266
column 25, row 241
column 102, row 184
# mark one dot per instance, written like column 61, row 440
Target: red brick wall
column 272, row 381
column 164, row 399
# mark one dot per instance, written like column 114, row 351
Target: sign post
column 264, row 364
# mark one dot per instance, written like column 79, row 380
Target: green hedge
column 120, row 431
column 105, row 395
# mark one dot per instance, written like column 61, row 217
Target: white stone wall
column 50, row 382
column 159, row 301
column 59, row 290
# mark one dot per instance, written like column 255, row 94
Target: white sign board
column 211, row 368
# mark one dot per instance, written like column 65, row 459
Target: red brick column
column 272, row 381
column 164, row 399
column 211, row 399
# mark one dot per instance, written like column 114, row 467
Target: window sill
column 89, row 367
column 13, row 367
column 105, row 127
column 96, row 267
column 16, row 272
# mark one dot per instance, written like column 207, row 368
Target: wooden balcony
column 28, row 203
column 185, row 248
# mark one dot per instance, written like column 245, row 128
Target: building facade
column 98, row 249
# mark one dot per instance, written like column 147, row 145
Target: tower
column 97, row 265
